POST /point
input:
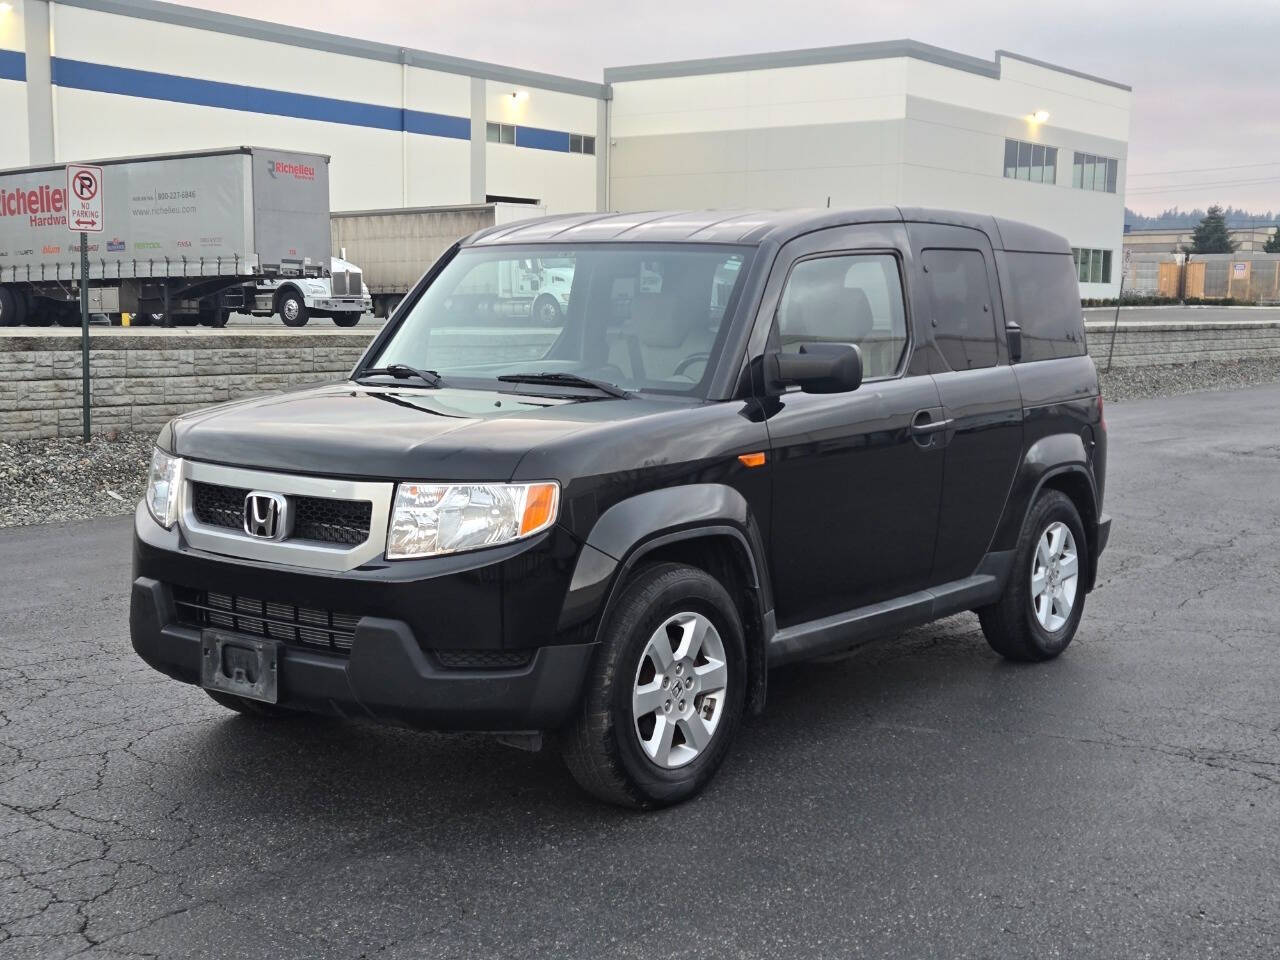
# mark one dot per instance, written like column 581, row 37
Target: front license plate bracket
column 244, row 666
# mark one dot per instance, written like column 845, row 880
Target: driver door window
column 853, row 299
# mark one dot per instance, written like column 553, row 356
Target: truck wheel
column 665, row 692
column 67, row 315
column 250, row 708
column 546, row 310
column 292, row 310
column 13, row 312
column 348, row 319
column 1040, row 609
column 39, row 312
column 214, row 318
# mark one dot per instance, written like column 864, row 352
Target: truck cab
column 750, row 438
column 339, row 293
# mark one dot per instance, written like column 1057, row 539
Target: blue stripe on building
column 13, row 65
column 540, row 139
column 128, row 82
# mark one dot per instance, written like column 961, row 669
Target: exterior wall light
column 1040, row 116
column 519, row 96
column 5, row 8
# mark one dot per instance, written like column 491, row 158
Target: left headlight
column 434, row 518
column 163, row 481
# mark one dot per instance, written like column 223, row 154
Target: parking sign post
column 84, row 332
column 84, row 216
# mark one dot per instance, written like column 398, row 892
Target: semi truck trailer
column 395, row 247
column 185, row 236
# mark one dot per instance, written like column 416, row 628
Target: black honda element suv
column 749, row 438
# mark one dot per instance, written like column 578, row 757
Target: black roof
column 752, row 227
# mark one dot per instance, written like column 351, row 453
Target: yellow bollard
column 125, row 318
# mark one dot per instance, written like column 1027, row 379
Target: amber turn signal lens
column 751, row 459
column 539, row 507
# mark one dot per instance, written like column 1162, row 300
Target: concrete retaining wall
column 141, row 378
column 1148, row 343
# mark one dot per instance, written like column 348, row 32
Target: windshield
column 645, row 317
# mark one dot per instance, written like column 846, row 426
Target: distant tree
column 1211, row 236
column 1273, row 243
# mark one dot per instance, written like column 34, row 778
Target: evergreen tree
column 1273, row 243
column 1211, row 235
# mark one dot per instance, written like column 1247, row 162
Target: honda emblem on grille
column 266, row 515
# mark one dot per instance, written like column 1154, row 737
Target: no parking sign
column 84, row 198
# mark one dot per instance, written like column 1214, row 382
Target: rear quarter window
column 1044, row 299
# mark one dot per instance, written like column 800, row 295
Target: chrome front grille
column 346, row 283
column 337, row 524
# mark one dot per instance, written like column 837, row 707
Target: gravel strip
column 1133, row 383
column 50, row 481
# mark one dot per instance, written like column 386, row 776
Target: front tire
column 346, row 319
column 665, row 693
column 1037, row 615
column 546, row 310
column 292, row 310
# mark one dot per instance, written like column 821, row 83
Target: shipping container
column 395, row 247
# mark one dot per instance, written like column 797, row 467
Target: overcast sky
column 1205, row 76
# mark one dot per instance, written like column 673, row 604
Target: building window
column 579, row 143
column 1030, row 161
column 1092, row 266
column 500, row 132
column 1089, row 172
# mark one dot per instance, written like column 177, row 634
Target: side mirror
column 1013, row 336
column 820, row 368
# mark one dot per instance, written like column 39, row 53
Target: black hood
column 389, row 432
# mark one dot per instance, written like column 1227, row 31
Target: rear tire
column 292, row 310
column 650, row 736
column 346, row 319
column 1037, row 615
column 250, row 708
column 13, row 308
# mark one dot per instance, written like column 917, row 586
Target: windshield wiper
column 568, row 380
column 402, row 371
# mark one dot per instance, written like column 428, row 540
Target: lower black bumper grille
column 301, row 626
column 483, row 659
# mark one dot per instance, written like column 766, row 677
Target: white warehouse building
column 869, row 124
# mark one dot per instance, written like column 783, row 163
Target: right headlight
column 163, row 481
column 428, row 519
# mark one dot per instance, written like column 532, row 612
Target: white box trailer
column 395, row 247
column 183, row 234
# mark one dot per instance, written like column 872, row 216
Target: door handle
column 923, row 424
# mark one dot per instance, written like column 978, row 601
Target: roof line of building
column 202, row 19
column 878, row 50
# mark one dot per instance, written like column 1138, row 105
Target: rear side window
column 964, row 325
column 1044, row 300
column 854, row 299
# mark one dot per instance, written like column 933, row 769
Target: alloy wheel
column 1055, row 574
column 678, row 697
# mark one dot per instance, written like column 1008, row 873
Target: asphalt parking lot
column 918, row 798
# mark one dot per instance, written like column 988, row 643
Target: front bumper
column 386, row 677
column 341, row 304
